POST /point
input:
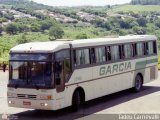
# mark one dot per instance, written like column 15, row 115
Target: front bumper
column 32, row 104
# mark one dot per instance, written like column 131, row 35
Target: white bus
column 58, row 74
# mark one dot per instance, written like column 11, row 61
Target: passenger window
column 82, row 57
column 92, row 54
column 128, row 51
column 100, row 54
column 140, row 49
column 146, row 51
column 108, row 53
column 154, row 47
column 121, row 51
column 115, row 54
column 150, row 45
column 134, row 49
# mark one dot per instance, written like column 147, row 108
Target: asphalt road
column 125, row 102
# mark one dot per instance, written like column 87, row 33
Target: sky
column 81, row 2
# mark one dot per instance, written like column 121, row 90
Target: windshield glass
column 37, row 57
column 36, row 74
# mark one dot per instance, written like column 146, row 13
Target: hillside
column 145, row 2
column 136, row 8
column 24, row 21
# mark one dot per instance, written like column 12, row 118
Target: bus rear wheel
column 76, row 101
column 138, row 83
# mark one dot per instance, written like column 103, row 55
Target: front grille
column 25, row 96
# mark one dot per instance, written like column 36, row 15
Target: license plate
column 26, row 103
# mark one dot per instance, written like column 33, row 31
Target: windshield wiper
column 37, row 87
column 16, row 86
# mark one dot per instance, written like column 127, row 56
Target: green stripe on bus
column 152, row 61
column 144, row 62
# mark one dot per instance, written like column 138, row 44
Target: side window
column 146, row 51
column 140, row 49
column 121, row 51
column 82, row 57
column 92, row 54
column 62, row 66
column 108, row 53
column 134, row 49
column 128, row 51
column 100, row 54
column 115, row 54
column 154, row 47
column 61, row 55
column 150, row 46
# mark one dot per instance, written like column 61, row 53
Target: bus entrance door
column 59, row 76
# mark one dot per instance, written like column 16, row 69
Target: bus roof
column 39, row 47
column 46, row 47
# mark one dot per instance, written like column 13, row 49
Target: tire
column 76, row 101
column 138, row 84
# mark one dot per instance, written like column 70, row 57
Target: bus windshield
column 29, row 70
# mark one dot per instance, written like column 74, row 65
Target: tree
column 142, row 22
column 46, row 25
column 126, row 23
column 98, row 22
column 23, row 39
column 55, row 32
column 81, row 36
column 1, row 30
column 12, row 28
column 107, row 25
column 139, row 30
column 23, row 28
column 35, row 28
column 157, row 23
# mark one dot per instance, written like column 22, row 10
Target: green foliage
column 1, row 30
column 139, row 30
column 12, row 28
column 142, row 21
column 47, row 24
column 99, row 11
column 157, row 23
column 23, row 39
column 81, row 36
column 23, row 28
column 126, row 23
column 35, row 27
column 56, row 32
column 3, row 20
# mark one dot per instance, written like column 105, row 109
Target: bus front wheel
column 76, row 101
column 138, row 83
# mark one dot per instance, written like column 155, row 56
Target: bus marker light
column 49, row 97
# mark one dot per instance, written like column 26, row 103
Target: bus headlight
column 11, row 102
column 11, row 95
column 45, row 97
